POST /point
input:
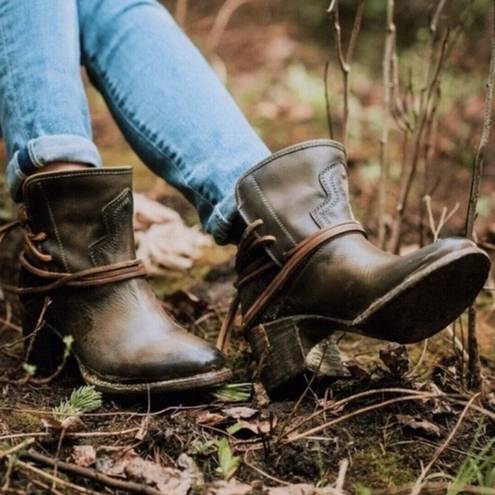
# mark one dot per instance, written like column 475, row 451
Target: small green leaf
column 228, row 462
column 234, row 392
column 30, row 369
column 232, row 430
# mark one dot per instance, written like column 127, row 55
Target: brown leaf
column 70, row 424
column 131, row 466
column 231, row 487
column 421, row 425
column 260, row 426
column 260, row 396
column 209, row 418
column 239, row 412
column 165, row 479
column 395, row 358
column 301, row 489
column 83, row 455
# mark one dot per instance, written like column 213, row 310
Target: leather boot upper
column 120, row 330
column 296, row 193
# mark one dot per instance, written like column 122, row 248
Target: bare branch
column 327, row 101
column 474, row 366
column 346, row 59
column 387, row 90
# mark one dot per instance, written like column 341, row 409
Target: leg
column 79, row 245
column 43, row 110
column 169, row 104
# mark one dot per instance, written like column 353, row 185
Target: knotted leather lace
column 251, row 240
column 90, row 277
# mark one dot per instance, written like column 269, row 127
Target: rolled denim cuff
column 44, row 150
column 223, row 220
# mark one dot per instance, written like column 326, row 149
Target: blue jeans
column 165, row 98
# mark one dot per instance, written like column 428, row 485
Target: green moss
column 372, row 467
column 25, row 422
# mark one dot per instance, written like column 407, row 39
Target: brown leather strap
column 295, row 257
column 91, row 277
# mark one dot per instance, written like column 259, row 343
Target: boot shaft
column 296, row 192
column 86, row 216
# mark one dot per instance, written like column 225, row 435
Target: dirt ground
column 401, row 420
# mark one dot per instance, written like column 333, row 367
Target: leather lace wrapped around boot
column 79, row 257
column 306, row 269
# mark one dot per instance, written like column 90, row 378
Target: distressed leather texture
column 121, row 332
column 298, row 191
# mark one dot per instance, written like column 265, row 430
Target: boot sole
column 282, row 347
column 49, row 343
column 199, row 381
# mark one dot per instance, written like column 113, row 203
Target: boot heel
column 286, row 349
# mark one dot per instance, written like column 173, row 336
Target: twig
column 418, row 139
column 361, row 395
column 92, row 474
column 339, row 484
column 324, row 426
column 345, row 60
column 43, row 474
column 387, row 89
column 417, row 486
column 327, row 100
column 474, row 366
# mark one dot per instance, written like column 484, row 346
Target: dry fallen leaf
column 395, row 358
column 209, row 418
column 131, row 466
column 83, row 455
column 260, row 426
column 163, row 240
column 231, row 487
column 234, row 487
column 301, row 489
column 422, row 425
column 239, row 412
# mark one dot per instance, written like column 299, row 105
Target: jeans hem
column 222, row 220
column 48, row 149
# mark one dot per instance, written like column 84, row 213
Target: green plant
column 477, row 469
column 83, row 399
column 234, row 392
column 228, row 463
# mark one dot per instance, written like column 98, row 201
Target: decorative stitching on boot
column 334, row 189
column 109, row 243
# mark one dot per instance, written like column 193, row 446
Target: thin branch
column 92, row 474
column 474, row 366
column 387, row 91
column 419, row 482
column 327, row 101
column 345, row 60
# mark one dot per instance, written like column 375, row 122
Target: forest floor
column 401, row 421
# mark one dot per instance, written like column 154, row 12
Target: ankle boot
column 306, row 269
column 80, row 274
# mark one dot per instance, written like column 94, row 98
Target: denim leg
column 44, row 115
column 170, row 105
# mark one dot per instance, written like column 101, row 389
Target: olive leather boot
column 306, row 269
column 80, row 275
